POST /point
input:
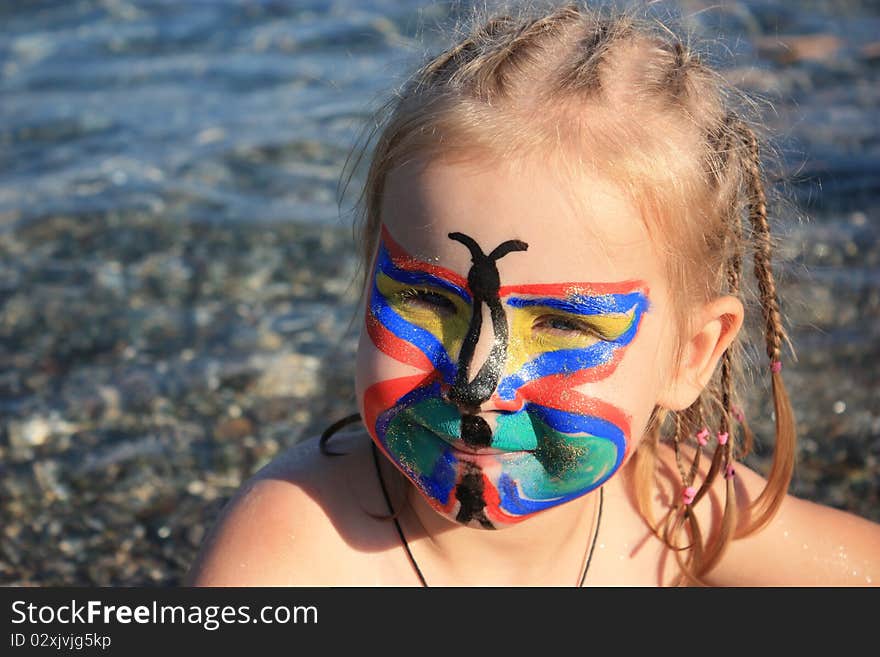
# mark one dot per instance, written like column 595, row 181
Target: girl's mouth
column 462, row 447
column 512, row 435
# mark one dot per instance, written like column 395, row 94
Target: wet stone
column 234, row 428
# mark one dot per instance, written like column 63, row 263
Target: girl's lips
column 461, row 446
column 464, row 448
column 489, row 462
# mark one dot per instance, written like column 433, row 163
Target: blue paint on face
column 580, row 304
column 572, row 360
column 386, row 265
column 553, row 455
column 555, row 362
column 575, row 454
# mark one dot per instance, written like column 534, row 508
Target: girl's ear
column 717, row 325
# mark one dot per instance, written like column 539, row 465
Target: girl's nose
column 495, row 403
column 482, row 355
column 481, row 359
column 485, row 343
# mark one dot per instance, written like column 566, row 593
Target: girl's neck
column 548, row 549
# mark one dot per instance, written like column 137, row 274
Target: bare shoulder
column 805, row 544
column 303, row 519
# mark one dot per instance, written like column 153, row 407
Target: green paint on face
column 544, row 463
column 442, row 417
column 515, row 432
column 562, row 464
column 416, row 448
column 560, row 456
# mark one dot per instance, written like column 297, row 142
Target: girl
column 557, row 217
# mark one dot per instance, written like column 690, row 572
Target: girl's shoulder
column 804, row 544
column 306, row 518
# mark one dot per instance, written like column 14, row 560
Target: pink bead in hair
column 776, row 366
column 738, row 414
column 722, row 437
column 688, row 494
column 703, row 436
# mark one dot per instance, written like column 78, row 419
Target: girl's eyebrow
column 416, row 277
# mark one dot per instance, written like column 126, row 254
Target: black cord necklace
column 415, row 565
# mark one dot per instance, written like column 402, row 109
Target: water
column 233, row 110
column 225, row 110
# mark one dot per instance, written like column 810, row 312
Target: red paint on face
column 383, row 395
column 407, row 262
column 566, row 290
column 399, row 349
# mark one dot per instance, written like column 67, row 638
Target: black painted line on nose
column 486, row 380
column 484, row 282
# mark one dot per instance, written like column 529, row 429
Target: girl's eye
column 428, row 300
column 562, row 326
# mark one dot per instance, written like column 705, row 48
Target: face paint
column 551, row 443
column 484, row 283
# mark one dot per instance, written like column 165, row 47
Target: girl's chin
column 485, row 518
column 493, row 524
column 473, row 524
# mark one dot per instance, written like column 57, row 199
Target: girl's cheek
column 632, row 388
column 372, row 365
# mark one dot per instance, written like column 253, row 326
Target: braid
column 431, row 72
column 583, row 73
column 734, row 268
column 784, row 449
column 734, row 275
column 459, row 58
column 696, row 425
column 723, row 456
column 482, row 60
column 677, row 75
column 676, row 444
column 758, row 216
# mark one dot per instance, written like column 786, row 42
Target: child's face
column 504, row 381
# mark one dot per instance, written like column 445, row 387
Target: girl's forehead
column 577, row 228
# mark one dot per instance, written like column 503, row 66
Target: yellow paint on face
column 534, row 330
column 541, row 329
column 447, row 321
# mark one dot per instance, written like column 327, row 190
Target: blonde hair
column 630, row 100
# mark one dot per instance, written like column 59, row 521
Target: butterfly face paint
column 550, row 443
